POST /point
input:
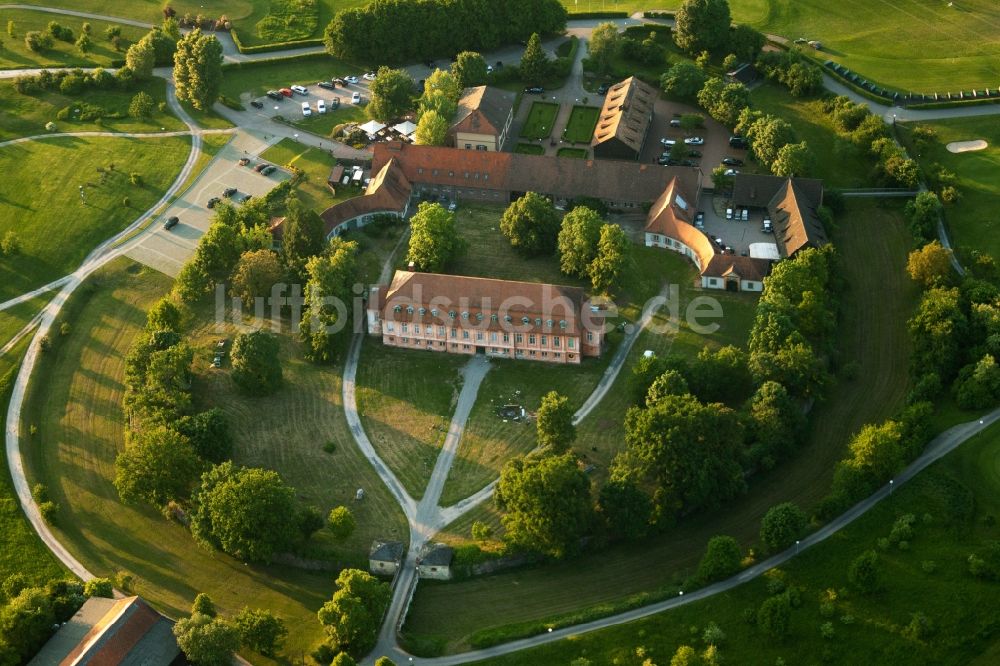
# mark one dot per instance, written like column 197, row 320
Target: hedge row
column 304, row 57
column 276, row 46
column 573, row 16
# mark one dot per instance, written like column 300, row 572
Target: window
column 548, row 323
column 506, row 338
column 420, row 169
column 434, row 312
column 538, row 321
column 545, row 340
column 466, row 347
column 480, row 147
column 493, row 317
column 465, row 315
column 590, row 336
column 479, row 335
column 468, row 146
column 409, row 310
column 545, row 354
column 712, row 282
column 479, row 316
column 531, row 339
column 465, row 335
column 405, row 340
column 555, row 340
column 570, row 342
column 562, row 323
column 507, row 319
column 423, row 311
column 531, row 353
column 390, row 327
column 451, row 173
column 398, row 308
column 525, row 320
column 451, row 313
column 558, row 355
column 466, row 174
column 440, row 331
column 454, row 332
column 416, row 328
column 405, row 328
column 518, row 338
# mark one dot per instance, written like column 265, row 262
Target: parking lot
column 290, row 108
column 716, row 138
column 166, row 251
column 736, row 234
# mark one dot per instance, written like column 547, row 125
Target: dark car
column 229, row 192
column 429, row 64
column 738, row 142
column 327, row 84
column 213, row 201
column 688, row 163
column 665, row 160
column 694, row 153
column 603, row 90
column 171, row 222
column 257, row 104
column 260, row 167
column 269, row 169
column 534, row 90
column 275, row 95
column 732, row 161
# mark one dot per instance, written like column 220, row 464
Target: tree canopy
column 531, row 224
column 782, row 525
column 612, row 260
column 391, row 94
column 554, row 423
column 353, row 616
column 702, row 25
column 198, row 69
column 256, row 365
column 579, row 234
column 206, row 640
column 434, row 241
column 157, row 465
column 469, row 69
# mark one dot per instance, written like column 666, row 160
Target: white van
column 306, row 111
column 321, row 106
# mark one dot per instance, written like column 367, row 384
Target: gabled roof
column 436, row 555
column 796, row 224
column 671, row 215
column 482, row 110
column 389, row 190
column 744, row 268
column 757, row 190
column 386, row 551
column 112, row 632
column 626, row 114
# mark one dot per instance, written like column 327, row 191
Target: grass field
column 26, row 115
column 15, row 55
column 76, row 400
column 958, row 495
column 315, row 165
column 873, row 242
column 838, row 162
column 257, row 78
column 323, row 124
column 529, row 149
column 973, row 221
column 581, row 123
column 541, row 118
column 576, row 153
column 54, row 230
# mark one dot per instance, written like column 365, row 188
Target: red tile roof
column 389, row 190
column 483, row 110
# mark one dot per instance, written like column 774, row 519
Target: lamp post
column 796, row 546
column 890, row 487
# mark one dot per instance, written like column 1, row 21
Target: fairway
column 54, row 229
column 873, row 243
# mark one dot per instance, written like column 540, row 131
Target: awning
column 372, row 127
column 406, row 128
column 764, row 251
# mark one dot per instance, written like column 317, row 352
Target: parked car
column 275, row 95
column 738, row 142
column 746, row 214
column 732, row 161
column 603, row 89
column 268, row 170
column 730, row 172
column 729, row 213
column 257, row 104
column 340, row 82
column 306, row 111
column 356, row 98
column 302, row 90
column 171, row 223
column 229, row 192
column 453, row 205
column 767, row 227
column 699, row 219
column 260, row 167
column 534, row 90
column 287, row 92
column 489, row 69
column 718, row 241
column 328, row 85
column 667, row 142
column 688, row 163
column 353, row 80
column 369, row 76
column 694, row 153
column 335, row 103
column 213, row 201
column 320, row 106
column 429, row 64
column 676, row 122
column 694, row 141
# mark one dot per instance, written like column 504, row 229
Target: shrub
column 10, row 244
column 49, row 511
column 865, row 572
column 99, row 587
column 782, row 525
column 721, row 560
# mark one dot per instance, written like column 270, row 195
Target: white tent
column 372, row 127
column 406, row 128
column 764, row 251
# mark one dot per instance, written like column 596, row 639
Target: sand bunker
column 966, row 146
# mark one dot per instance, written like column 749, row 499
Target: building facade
column 497, row 318
column 625, row 119
column 483, row 119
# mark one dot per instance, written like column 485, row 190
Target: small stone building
column 384, row 557
column 483, row 119
column 435, row 561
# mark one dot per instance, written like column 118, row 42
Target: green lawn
column 872, row 331
column 838, row 162
column 406, row 413
column 973, row 221
column 581, row 124
column 541, row 118
column 26, row 115
column 257, row 78
column 15, row 55
column 323, row 124
column 315, row 165
column 54, row 230
column 577, row 153
column 955, row 503
column 529, row 149
column 75, row 399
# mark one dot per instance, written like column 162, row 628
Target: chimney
column 412, row 267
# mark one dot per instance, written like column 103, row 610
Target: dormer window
column 465, row 315
column 549, row 323
column 538, row 321
column 451, row 314
column 434, row 312
column 525, row 320
column 423, row 311
column 493, row 317
column 562, row 323
column 409, row 310
column 508, row 319
column 398, row 308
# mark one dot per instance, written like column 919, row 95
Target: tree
column 171, row 28
column 605, row 43
column 163, row 316
column 534, row 63
column 745, row 42
column 219, row 249
column 684, row 656
column 774, row 615
column 256, row 366
column 774, row 425
column 141, row 58
column 939, row 332
column 683, row 80
column 723, row 101
column 198, row 69
column 865, row 572
column 702, row 25
column 353, row 616
column 112, row 31
column 577, row 242
column 99, row 587
column 432, row 129
column 729, row 62
column 248, row 513
column 25, row 624
column 669, row 383
column 84, row 43
column 930, row 265
column 612, row 259
column 782, row 525
column 793, row 159
column 923, row 213
column 531, row 224
column 554, row 423
column 434, row 242
column 391, row 94
column 722, row 559
column 978, row 384
column 327, row 295
column 442, row 91
column 156, row 466
column 260, row 630
column 626, row 509
column 384, row 661
column 469, row 69
column 141, row 105
column 302, row 236
column 255, row 276
column 203, row 604
column 341, row 522
column 207, row 641
column 36, row 41
column 343, row 659
column 10, row 244
column 208, row 433
column 768, row 135
column 546, row 503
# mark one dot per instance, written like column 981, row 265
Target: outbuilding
column 384, row 557
column 435, row 561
